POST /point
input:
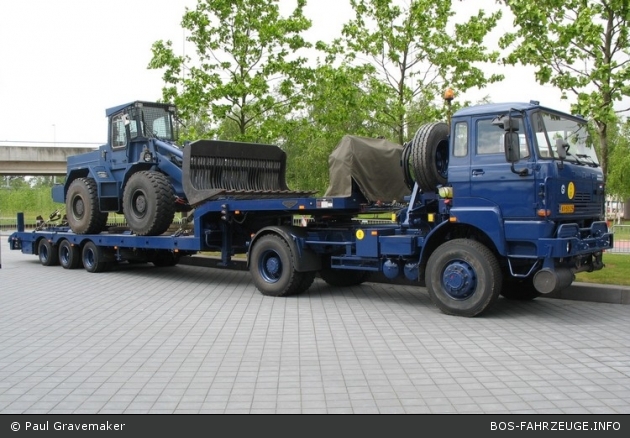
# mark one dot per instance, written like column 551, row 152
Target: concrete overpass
column 33, row 160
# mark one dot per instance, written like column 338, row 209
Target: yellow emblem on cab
column 360, row 234
column 571, row 190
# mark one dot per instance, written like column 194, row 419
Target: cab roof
column 497, row 108
column 116, row 109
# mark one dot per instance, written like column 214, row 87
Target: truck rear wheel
column 47, row 253
column 94, row 259
column 69, row 255
column 148, row 203
column 82, row 210
column 429, row 155
column 463, row 277
column 272, row 268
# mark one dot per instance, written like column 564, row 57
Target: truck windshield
column 549, row 127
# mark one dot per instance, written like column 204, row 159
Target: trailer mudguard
column 305, row 259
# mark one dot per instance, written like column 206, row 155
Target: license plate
column 567, row 208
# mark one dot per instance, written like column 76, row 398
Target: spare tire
column 429, row 155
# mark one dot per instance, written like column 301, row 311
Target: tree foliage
column 579, row 46
column 416, row 53
column 246, row 68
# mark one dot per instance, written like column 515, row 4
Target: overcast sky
column 63, row 62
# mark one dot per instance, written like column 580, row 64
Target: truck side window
column 118, row 135
column 460, row 145
column 490, row 139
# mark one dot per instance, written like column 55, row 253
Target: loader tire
column 148, row 203
column 429, row 155
column 82, row 210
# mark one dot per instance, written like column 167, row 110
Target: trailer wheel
column 343, row 277
column 463, row 277
column 272, row 267
column 69, row 255
column 47, row 253
column 519, row 289
column 148, row 203
column 93, row 258
column 82, row 210
column 429, row 155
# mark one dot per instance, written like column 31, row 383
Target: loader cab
column 141, row 121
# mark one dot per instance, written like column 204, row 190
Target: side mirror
column 511, row 147
column 561, row 148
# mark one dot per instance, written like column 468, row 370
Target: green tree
column 618, row 180
column 246, row 67
column 579, row 46
column 416, row 52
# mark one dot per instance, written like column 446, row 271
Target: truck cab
column 527, row 179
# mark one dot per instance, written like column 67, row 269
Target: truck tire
column 69, row 255
column 429, row 155
column 463, row 277
column 82, row 210
column 272, row 268
column 519, row 289
column 94, row 259
column 47, row 253
column 148, row 203
column 305, row 283
column 343, row 277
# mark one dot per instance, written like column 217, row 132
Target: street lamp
column 54, row 134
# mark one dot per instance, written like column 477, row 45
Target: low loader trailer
column 507, row 199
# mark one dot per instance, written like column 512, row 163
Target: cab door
column 492, row 181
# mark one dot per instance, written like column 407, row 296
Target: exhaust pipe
column 547, row 280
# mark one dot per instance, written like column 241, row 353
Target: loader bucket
column 214, row 169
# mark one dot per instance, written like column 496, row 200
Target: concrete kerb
column 578, row 291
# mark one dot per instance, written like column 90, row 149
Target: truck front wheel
column 148, row 203
column 463, row 277
column 82, row 210
column 272, row 268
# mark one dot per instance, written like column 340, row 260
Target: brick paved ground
column 191, row 339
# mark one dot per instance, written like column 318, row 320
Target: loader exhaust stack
column 214, row 169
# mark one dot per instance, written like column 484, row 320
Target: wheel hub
column 270, row 267
column 459, row 280
column 79, row 208
column 140, row 204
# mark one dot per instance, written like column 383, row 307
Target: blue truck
column 505, row 199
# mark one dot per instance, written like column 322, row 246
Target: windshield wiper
column 592, row 163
